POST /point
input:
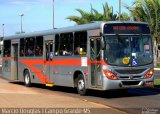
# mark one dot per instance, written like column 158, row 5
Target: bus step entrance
column 49, row 85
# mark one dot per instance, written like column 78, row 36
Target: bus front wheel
column 81, row 86
column 27, row 79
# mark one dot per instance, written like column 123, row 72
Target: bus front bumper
column 123, row 84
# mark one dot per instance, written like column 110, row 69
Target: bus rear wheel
column 81, row 86
column 27, row 79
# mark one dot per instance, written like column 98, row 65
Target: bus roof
column 90, row 26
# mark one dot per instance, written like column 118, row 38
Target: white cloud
column 27, row 2
column 18, row 2
column 45, row 1
column 75, row 1
column 27, row 9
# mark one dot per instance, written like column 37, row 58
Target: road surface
column 137, row 101
column 18, row 99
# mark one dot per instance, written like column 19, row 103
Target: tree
column 148, row 11
column 94, row 15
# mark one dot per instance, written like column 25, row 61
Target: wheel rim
column 27, row 79
column 81, row 85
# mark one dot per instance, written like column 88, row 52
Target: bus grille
column 128, row 77
column 131, row 71
column 130, row 82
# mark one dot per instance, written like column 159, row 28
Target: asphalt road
column 136, row 101
column 18, row 99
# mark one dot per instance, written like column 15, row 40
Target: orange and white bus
column 101, row 56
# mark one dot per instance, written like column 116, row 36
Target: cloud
column 26, row 9
column 18, row 2
column 33, row 2
column 77, row 1
column 46, row 2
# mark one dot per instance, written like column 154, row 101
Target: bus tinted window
column 120, row 28
column 66, row 44
column 56, row 45
column 39, row 46
column 80, row 43
column 22, row 45
column 7, row 48
column 30, row 43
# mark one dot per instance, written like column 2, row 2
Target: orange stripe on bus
column 32, row 62
column 67, row 62
column 58, row 62
column 43, row 78
column 103, row 62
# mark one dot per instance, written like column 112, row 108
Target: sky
column 38, row 14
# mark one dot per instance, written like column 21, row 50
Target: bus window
column 80, row 43
column 56, row 45
column 66, row 44
column 7, row 48
column 30, row 43
column 39, row 46
column 22, row 44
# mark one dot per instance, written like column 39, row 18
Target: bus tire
column 81, row 86
column 27, row 79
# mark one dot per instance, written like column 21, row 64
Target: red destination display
column 126, row 28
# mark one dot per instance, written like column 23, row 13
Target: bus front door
column 95, row 57
column 48, row 59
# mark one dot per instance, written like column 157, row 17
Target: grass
column 158, row 66
column 157, row 83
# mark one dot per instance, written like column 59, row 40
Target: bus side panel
column 21, row 68
column 6, row 69
column 63, row 72
column 34, row 67
column 64, row 76
column 38, row 75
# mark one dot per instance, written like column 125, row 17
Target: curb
column 156, row 68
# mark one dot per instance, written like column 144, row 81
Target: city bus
column 100, row 56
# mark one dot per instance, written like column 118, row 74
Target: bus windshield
column 128, row 50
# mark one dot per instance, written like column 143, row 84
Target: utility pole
column 119, row 10
column 21, row 23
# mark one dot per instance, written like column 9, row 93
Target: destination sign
column 126, row 28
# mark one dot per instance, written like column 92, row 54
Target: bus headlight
column 149, row 74
column 110, row 75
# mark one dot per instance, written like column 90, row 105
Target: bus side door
column 95, row 58
column 14, row 63
column 48, row 60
